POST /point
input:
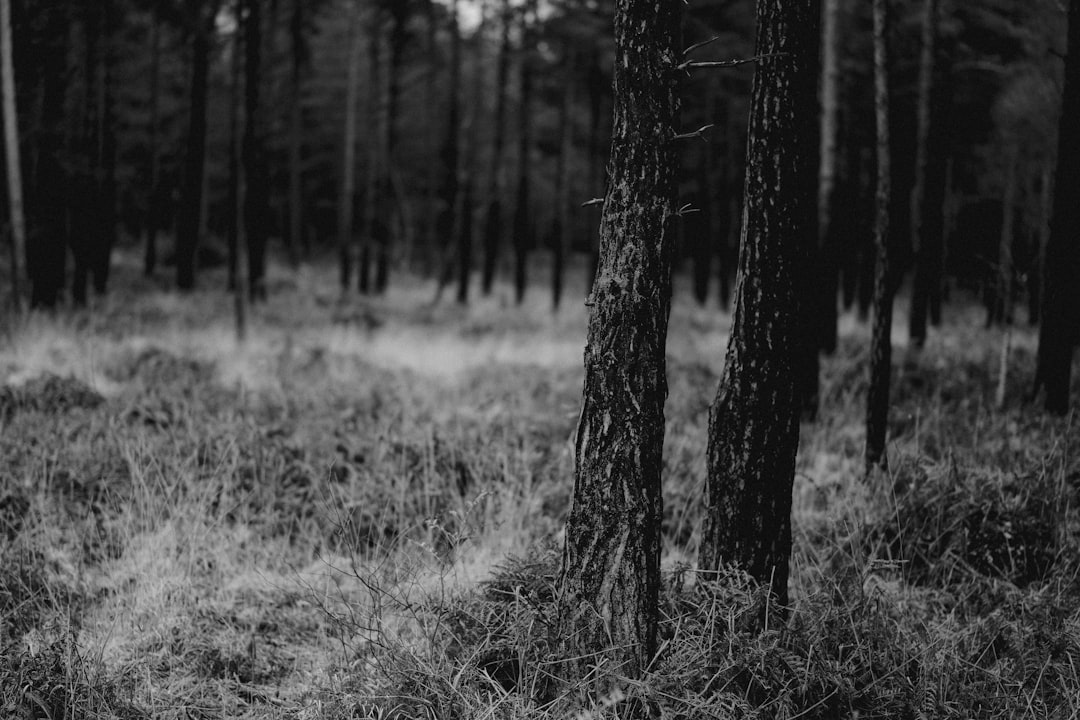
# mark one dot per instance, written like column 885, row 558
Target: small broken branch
column 699, row 133
column 594, row 201
column 698, row 46
column 699, row 64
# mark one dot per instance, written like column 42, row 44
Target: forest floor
column 357, row 513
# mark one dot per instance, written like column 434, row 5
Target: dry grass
column 357, row 514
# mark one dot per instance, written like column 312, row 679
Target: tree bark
column 13, row 164
column 236, row 208
column 348, row 170
column 256, row 172
column 877, row 413
column 754, row 421
column 1059, row 333
column 448, row 220
column 611, row 562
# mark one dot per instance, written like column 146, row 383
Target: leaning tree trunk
column 877, row 412
column 754, row 422
column 611, row 562
column 11, row 153
column 1058, row 334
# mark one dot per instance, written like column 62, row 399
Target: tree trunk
column 522, row 218
column 925, row 237
column 295, row 238
column 828, row 237
column 754, row 421
column 189, row 222
column 373, row 185
column 561, row 220
column 877, row 413
column 232, row 232
column 256, row 172
column 389, row 210
column 14, row 168
column 348, row 170
column 1036, row 289
column 611, row 563
column 468, row 207
column 105, row 152
column 1058, row 334
column 596, row 178
column 154, row 204
column 449, row 222
column 493, row 219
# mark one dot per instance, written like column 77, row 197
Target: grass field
column 357, row 513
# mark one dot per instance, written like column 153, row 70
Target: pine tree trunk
column 348, row 170
column 106, row 150
column 371, row 224
column 611, row 564
column 296, row 242
column 1042, row 237
column 596, row 178
column 754, row 421
column 189, row 222
column 256, row 172
column 561, row 223
column 877, row 414
column 232, row 232
column 449, row 223
column 390, row 213
column 1058, row 334
column 154, row 201
column 493, row 218
column 522, row 217
column 828, row 237
column 13, row 167
column 922, row 240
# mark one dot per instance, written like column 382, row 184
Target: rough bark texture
column 877, row 413
column 754, row 421
column 611, row 564
column 11, row 154
column 925, row 198
column 1060, row 329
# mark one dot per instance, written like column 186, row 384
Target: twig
column 699, row 133
column 594, row 201
column 698, row 46
column 696, row 64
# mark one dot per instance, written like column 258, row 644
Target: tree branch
column 693, row 65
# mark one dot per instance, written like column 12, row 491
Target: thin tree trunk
column 922, row 234
column 522, row 217
column 348, row 171
column 189, row 223
column 1058, row 333
column 828, row 240
column 14, row 168
column 296, row 242
column 596, row 178
column 561, row 222
column 390, row 205
column 465, row 231
column 449, row 222
column 154, row 202
column 256, row 172
column 877, row 413
column 611, row 563
column 754, row 421
column 1042, row 237
column 1005, row 269
column 106, row 149
column 232, row 232
column 372, row 183
column 493, row 221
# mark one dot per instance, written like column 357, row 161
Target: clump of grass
column 48, row 393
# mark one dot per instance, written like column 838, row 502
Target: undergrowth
column 330, row 522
